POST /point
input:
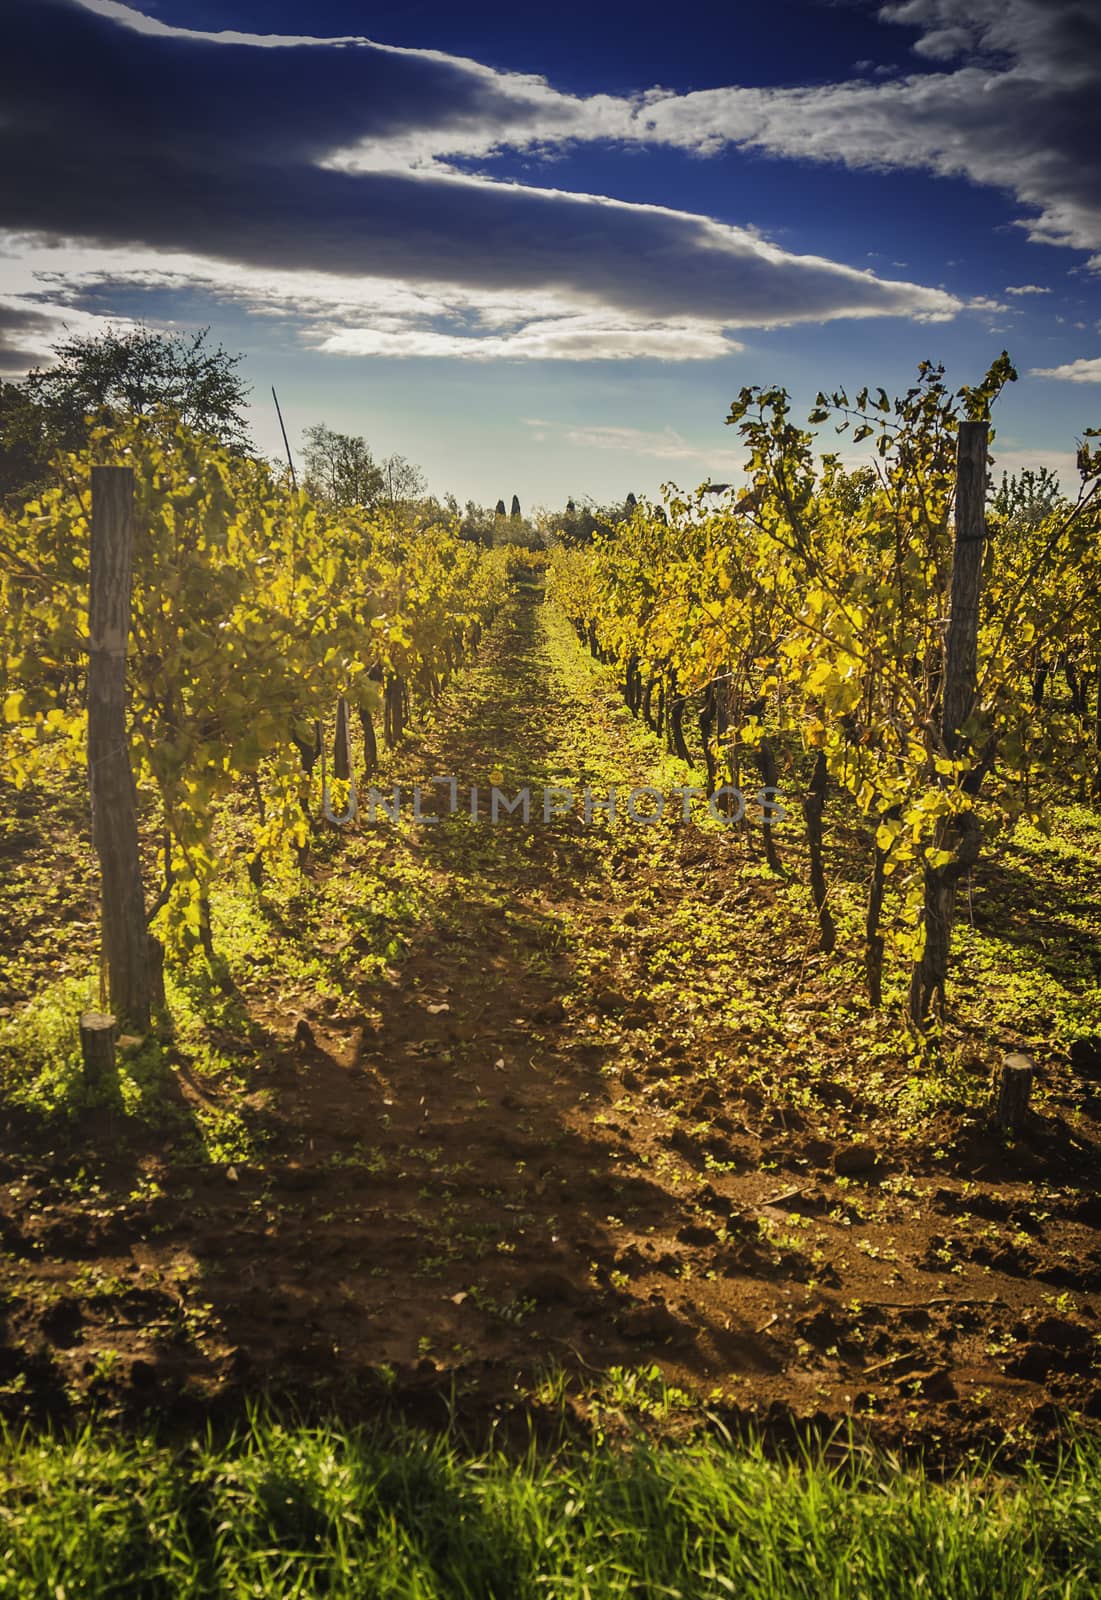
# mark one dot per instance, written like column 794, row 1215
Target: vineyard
column 253, row 615
column 813, row 628
column 748, row 1090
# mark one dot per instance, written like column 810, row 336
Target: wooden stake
column 156, row 973
column 959, row 834
column 114, row 821
column 286, row 441
column 961, row 641
column 342, row 745
column 1014, row 1089
column 97, row 1048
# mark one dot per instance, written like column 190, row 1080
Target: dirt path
column 590, row 1117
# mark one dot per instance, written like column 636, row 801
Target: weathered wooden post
column 959, row 834
column 156, row 973
column 1013, row 1091
column 114, row 819
column 814, row 807
column 342, row 744
column 97, row 1048
column 961, row 642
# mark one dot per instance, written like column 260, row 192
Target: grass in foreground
column 288, row 1510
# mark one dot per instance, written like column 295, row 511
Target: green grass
column 289, row 1510
column 40, row 1050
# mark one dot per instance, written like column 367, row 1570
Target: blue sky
column 540, row 252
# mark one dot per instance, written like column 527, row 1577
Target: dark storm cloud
column 127, row 137
column 172, row 96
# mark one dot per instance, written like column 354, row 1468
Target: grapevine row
column 254, row 612
column 806, row 623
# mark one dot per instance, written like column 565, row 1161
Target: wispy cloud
column 1027, row 288
column 595, row 336
column 664, row 445
column 334, row 314
column 1063, row 463
column 29, row 330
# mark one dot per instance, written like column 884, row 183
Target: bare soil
column 606, row 1108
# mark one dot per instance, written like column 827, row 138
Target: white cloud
column 344, row 315
column 130, row 17
column 1063, row 463
column 1085, row 370
column 593, row 337
column 1026, row 288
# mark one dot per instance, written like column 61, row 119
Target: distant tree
column 1026, row 499
column 405, row 482
column 849, row 488
column 578, row 523
column 429, row 509
column 630, row 503
column 477, row 524
column 340, row 469
column 500, row 508
column 523, row 535
column 132, row 374
column 515, row 512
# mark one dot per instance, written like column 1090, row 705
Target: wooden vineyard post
column 959, row 834
column 156, row 973
column 814, row 806
column 961, row 644
column 342, row 745
column 97, row 1048
column 111, row 781
column 1013, row 1091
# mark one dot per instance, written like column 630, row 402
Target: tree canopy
column 134, row 373
column 342, row 471
column 114, row 377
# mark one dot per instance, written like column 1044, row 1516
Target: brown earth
column 607, row 1108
